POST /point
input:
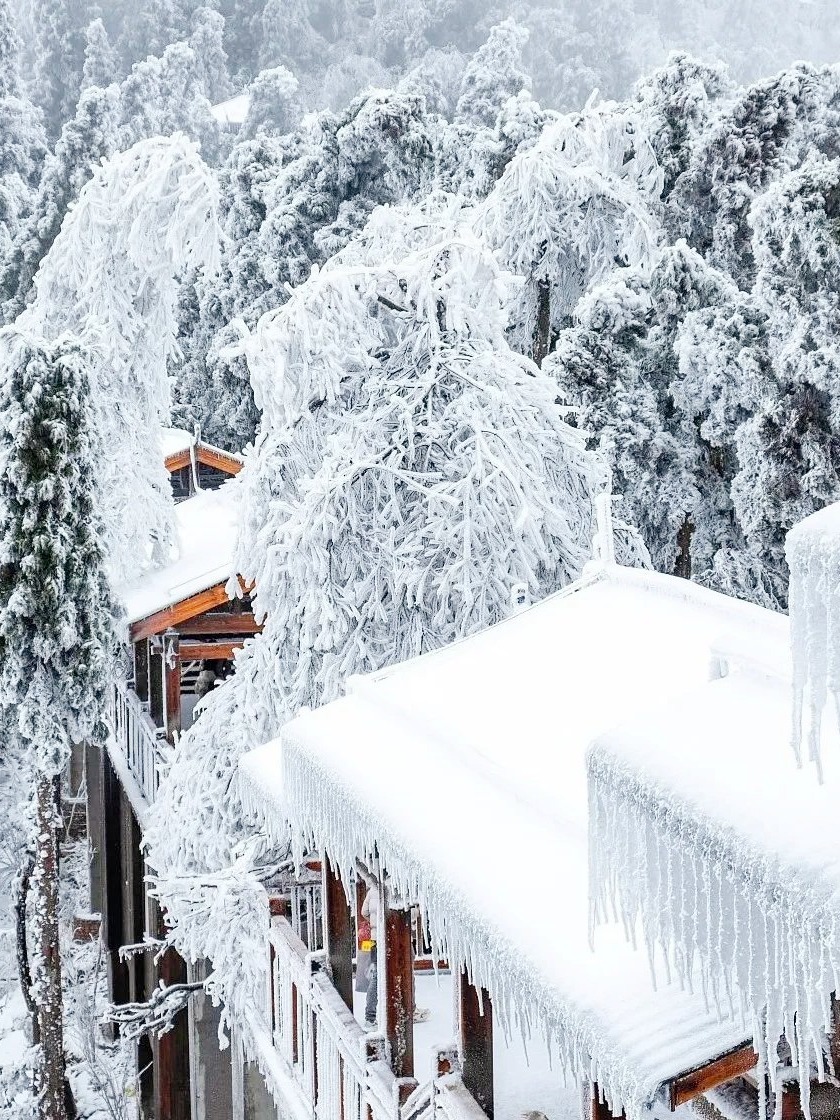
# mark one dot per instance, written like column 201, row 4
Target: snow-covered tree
column 410, row 468
column 57, row 621
column 567, row 211
column 59, row 61
column 145, row 216
column 493, row 74
column 89, row 137
column 10, row 46
column 291, row 203
column 101, row 63
column 273, row 105
column 207, row 42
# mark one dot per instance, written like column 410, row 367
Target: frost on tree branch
column 410, row 468
column 110, row 279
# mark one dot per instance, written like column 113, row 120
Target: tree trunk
column 682, row 564
column 542, row 328
column 24, row 971
column 48, row 983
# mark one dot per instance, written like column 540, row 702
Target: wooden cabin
column 195, row 465
column 183, row 623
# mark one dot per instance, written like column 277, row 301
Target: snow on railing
column 340, row 1069
column 136, row 737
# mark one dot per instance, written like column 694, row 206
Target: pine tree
column 57, row 619
column 59, row 62
column 84, row 141
column 9, row 52
column 493, row 74
column 273, row 104
column 207, row 42
column 101, row 64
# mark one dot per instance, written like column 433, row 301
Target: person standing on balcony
column 370, row 911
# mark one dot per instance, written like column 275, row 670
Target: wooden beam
column 210, row 651
column 172, row 683
column 157, row 701
column 475, row 1022
column 399, row 991
column 217, row 625
column 199, row 603
column 338, row 930
column 219, row 459
column 113, row 933
column 695, row 1082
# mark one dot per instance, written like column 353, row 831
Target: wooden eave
column 695, row 1082
column 208, row 456
column 186, row 609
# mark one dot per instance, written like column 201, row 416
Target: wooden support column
column 475, row 1020
column 141, row 669
column 156, row 691
column 112, row 892
column 338, row 930
column 172, row 1050
column 399, row 991
column 600, row 1109
column 172, row 683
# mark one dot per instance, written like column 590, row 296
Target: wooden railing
column 136, row 737
column 341, row 1071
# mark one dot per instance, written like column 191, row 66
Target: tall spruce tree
column 57, row 621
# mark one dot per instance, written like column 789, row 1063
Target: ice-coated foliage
column 146, row 215
column 567, row 211
column 410, row 467
column 57, row 618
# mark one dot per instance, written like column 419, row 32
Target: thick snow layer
column 233, row 111
column 206, row 526
column 705, row 835
column 175, row 440
column 464, row 771
column 813, row 554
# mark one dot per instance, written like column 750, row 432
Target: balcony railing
column 340, row 1071
column 137, row 738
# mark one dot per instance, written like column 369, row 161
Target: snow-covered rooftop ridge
column 232, row 111
column 207, row 526
column 813, row 554
column 464, row 771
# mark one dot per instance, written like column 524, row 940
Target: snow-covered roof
column 464, row 770
column 708, row 786
column 206, row 529
column 232, row 111
column 174, row 441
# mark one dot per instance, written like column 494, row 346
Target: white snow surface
column 232, row 111
column 175, row 440
column 813, row 553
column 464, row 772
column 206, row 529
column 706, row 836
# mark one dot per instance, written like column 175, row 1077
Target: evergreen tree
column 493, row 74
column 84, row 141
column 10, row 47
column 273, row 104
column 57, row 620
column 101, row 65
column 207, row 43
column 59, row 61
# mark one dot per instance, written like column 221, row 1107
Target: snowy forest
column 445, row 273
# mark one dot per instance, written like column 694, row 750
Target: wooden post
column 399, row 991
column 112, row 893
column 600, row 1109
column 141, row 669
column 338, row 930
column 156, row 691
column 172, row 683
column 475, row 1021
column 171, row 1050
